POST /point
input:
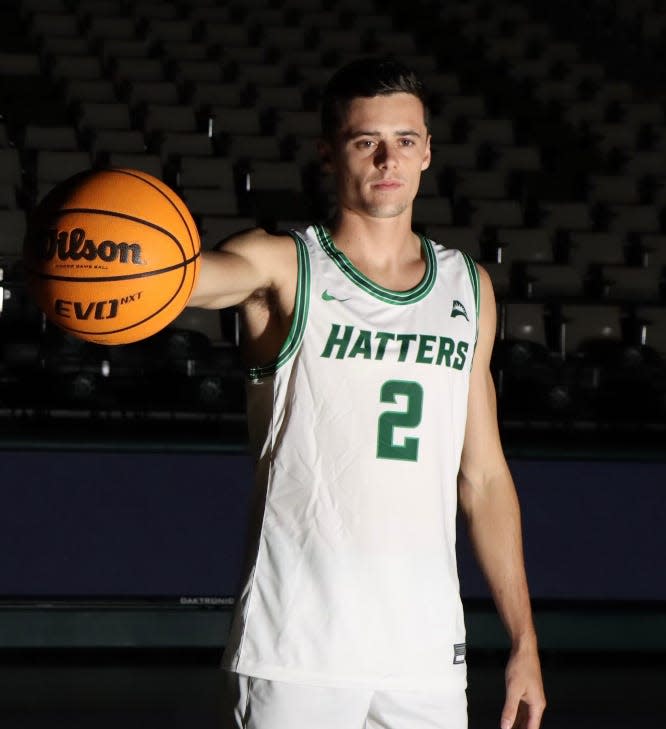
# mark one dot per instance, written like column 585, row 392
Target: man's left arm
column 488, row 500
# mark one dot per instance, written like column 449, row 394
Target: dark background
column 102, row 524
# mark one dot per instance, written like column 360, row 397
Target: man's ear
column 427, row 158
column 325, row 155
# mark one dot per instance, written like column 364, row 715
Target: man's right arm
column 245, row 264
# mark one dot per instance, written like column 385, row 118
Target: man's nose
column 384, row 155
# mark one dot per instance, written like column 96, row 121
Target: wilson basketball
column 112, row 256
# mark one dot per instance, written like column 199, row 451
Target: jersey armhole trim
column 476, row 289
column 301, row 306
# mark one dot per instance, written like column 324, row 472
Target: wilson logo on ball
column 74, row 246
column 112, row 256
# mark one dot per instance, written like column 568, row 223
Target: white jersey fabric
column 358, row 427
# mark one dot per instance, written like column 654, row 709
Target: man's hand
column 525, row 699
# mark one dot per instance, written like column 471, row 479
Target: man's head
column 366, row 77
column 375, row 137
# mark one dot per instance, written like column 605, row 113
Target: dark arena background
column 124, row 473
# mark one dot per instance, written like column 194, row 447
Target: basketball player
column 372, row 413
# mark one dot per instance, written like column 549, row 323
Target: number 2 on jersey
column 389, row 420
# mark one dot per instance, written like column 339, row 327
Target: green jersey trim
column 301, row 306
column 388, row 296
column 476, row 289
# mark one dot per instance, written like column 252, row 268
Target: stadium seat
column 175, row 145
column 100, row 27
column 98, row 91
column 54, row 46
column 11, row 176
column 94, row 116
column 633, row 219
column 492, row 131
column 631, row 283
column 225, row 120
column 162, row 118
column 247, row 147
column 653, row 250
column 225, row 34
column 550, row 281
column 518, row 159
column 143, row 93
column 184, row 50
column 104, row 142
column 452, row 236
column 149, row 163
column 429, row 185
column 525, row 322
column 19, row 64
column 524, row 245
column 402, row 44
column 207, row 14
column 54, row 25
column 613, row 189
column 589, row 324
column 598, row 248
column 500, row 275
column 565, row 216
column 273, row 176
column 298, row 123
column 69, row 67
column 496, row 213
column 210, row 201
column 454, row 156
column 472, row 107
column 206, row 71
column 432, row 211
column 168, row 29
column 196, row 171
column 55, row 166
column 113, row 49
column 214, row 229
column 203, row 95
column 153, row 10
column 481, row 184
column 129, row 70
column 278, row 98
column 12, row 232
column 652, row 323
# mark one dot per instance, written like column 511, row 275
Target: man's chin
column 386, row 211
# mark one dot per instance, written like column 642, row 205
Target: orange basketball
column 112, row 256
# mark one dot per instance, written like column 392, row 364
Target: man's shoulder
column 257, row 237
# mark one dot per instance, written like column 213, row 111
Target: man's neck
column 386, row 241
column 384, row 249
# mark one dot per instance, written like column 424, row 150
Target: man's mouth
column 387, row 184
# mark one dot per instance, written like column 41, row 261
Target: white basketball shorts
column 261, row 704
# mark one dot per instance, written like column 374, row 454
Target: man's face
column 380, row 150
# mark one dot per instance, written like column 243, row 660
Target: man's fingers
column 509, row 711
column 534, row 715
column 520, row 715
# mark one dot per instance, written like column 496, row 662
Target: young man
column 372, row 413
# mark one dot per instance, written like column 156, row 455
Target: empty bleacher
column 547, row 167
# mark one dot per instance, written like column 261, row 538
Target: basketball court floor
column 182, row 692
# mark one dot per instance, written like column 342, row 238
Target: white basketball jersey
column 358, row 426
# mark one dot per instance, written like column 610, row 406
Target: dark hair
column 366, row 77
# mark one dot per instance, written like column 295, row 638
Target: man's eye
column 407, row 142
column 365, row 144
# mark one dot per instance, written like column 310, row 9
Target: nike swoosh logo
column 329, row 297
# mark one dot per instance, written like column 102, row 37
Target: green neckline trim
column 388, row 296
column 301, row 306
